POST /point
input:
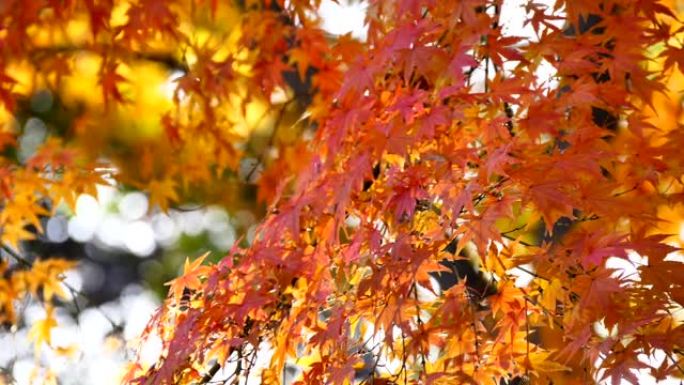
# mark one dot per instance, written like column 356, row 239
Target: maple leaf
column 162, row 193
column 507, row 300
column 541, row 362
column 459, row 63
column 15, row 232
column 580, row 338
column 621, row 366
column 498, row 160
column 540, row 17
column 598, row 291
column 434, row 127
column 438, row 116
column 301, row 58
column 343, row 374
column 595, row 248
column 191, row 279
column 46, row 275
column 673, row 55
column 359, row 78
column 99, row 14
column 41, row 330
column 110, row 79
column 500, row 48
column 653, row 8
column 552, row 201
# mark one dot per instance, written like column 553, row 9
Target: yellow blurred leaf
column 162, row 193
column 47, row 274
column 41, row 330
column 541, row 363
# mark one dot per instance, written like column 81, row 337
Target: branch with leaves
column 431, row 139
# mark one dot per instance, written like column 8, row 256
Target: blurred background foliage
column 134, row 134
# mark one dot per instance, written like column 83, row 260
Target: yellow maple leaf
column 7, row 296
column 15, row 232
column 540, row 363
column 162, row 192
column 298, row 291
column 47, row 274
column 41, row 330
column 553, row 291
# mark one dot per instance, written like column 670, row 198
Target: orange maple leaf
column 193, row 272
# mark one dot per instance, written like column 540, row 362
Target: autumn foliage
column 437, row 138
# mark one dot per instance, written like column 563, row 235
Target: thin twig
column 16, row 256
column 675, row 362
column 420, row 329
column 271, row 140
column 527, row 340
